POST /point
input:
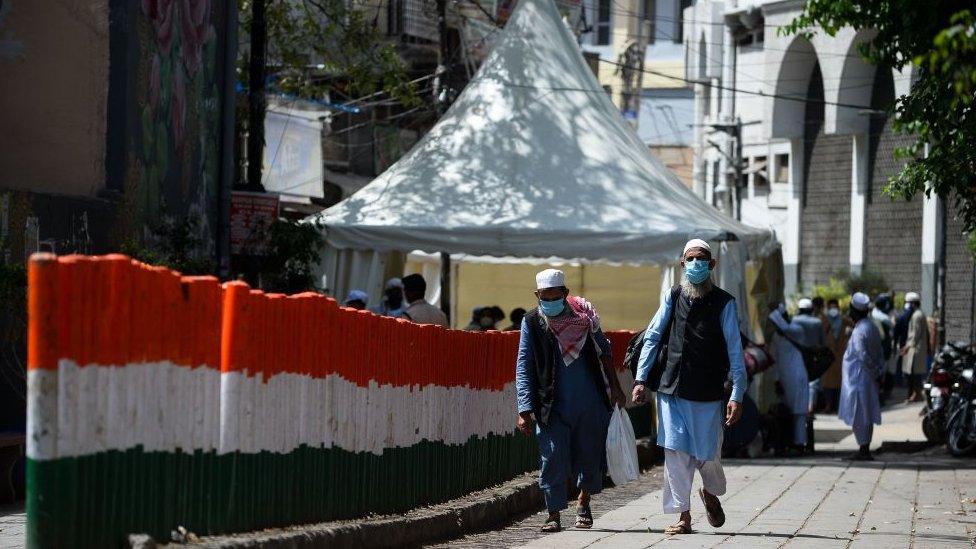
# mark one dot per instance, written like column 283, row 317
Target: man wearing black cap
column 418, row 310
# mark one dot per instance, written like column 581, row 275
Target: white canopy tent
column 531, row 160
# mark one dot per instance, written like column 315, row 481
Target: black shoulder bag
column 817, row 358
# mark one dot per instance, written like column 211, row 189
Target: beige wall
column 626, row 296
column 53, row 95
column 679, row 159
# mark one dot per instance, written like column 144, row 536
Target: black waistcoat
column 547, row 357
column 698, row 359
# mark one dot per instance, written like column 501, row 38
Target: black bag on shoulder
column 817, row 358
column 636, row 345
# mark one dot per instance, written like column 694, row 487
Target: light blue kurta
column 863, row 366
column 685, row 425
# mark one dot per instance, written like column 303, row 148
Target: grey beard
column 695, row 291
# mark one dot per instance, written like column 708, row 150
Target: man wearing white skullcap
column 391, row 304
column 792, row 381
column 916, row 350
column 561, row 382
column 689, row 349
column 814, row 335
column 864, row 366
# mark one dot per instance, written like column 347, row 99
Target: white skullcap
column 357, row 295
column 696, row 243
column 805, row 303
column 913, row 297
column 860, row 301
column 394, row 283
column 550, row 278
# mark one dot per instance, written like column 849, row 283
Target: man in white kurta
column 864, row 367
column 690, row 349
column 791, row 374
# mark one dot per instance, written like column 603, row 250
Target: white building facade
column 817, row 146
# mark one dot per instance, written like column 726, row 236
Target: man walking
column 916, row 350
column 690, row 347
column 561, row 382
column 863, row 368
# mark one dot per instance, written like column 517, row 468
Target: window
column 649, row 8
column 781, row 169
column 394, row 17
column 679, row 19
column 603, row 23
column 759, row 179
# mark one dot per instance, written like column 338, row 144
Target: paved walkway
column 13, row 524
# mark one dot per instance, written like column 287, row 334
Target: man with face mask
column 915, row 352
column 792, row 383
column 562, row 376
column 690, row 347
column 864, row 365
column 838, row 330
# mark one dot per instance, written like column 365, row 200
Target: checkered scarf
column 571, row 330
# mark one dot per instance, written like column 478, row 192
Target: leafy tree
column 939, row 38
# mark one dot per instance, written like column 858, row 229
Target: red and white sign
column 251, row 216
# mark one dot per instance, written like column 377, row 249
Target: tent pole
column 446, row 285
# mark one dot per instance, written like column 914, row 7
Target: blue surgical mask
column 697, row 270
column 552, row 308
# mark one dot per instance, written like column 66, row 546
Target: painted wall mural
column 173, row 146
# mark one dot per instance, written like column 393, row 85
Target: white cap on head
column 805, row 303
column 394, row 283
column 550, row 278
column 860, row 301
column 913, row 297
column 696, row 243
column 357, row 295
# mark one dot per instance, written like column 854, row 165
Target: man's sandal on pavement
column 678, row 528
column 584, row 517
column 551, row 526
column 713, row 508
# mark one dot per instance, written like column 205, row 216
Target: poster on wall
column 251, row 215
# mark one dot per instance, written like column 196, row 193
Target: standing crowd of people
column 874, row 350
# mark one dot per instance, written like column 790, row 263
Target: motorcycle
column 938, row 389
column 961, row 427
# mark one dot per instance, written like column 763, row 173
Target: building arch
column 854, row 86
column 792, row 84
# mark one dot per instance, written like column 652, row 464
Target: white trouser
column 679, row 472
column 800, row 429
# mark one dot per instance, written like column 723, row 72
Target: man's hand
column 619, row 398
column 526, row 423
column 903, row 351
column 639, row 394
column 732, row 413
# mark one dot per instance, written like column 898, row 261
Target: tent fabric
column 531, row 160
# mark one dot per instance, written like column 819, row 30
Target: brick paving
column 13, row 524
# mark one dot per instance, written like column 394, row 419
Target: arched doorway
column 826, row 195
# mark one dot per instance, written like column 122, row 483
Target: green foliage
column 316, row 44
column 293, row 248
column 939, row 38
column 843, row 284
column 177, row 244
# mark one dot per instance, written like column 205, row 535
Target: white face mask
column 834, row 312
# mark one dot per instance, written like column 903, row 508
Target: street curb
column 476, row 512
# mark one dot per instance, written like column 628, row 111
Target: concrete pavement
column 918, row 500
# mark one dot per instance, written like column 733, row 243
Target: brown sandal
column 551, row 526
column 678, row 528
column 713, row 509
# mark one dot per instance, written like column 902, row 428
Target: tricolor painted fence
column 158, row 400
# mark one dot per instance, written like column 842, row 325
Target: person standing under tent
column 792, row 382
column 864, row 367
column 916, row 350
column 356, row 299
column 418, row 310
column 391, row 304
column 690, row 347
column 561, row 383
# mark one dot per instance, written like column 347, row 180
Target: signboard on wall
column 251, row 215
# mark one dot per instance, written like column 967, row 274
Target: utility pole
column 734, row 158
column 442, row 92
column 940, row 295
column 255, row 97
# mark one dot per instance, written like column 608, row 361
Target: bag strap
column 795, row 343
column 666, row 334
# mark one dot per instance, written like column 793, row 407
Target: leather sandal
column 713, row 509
column 678, row 528
column 551, row 526
column 584, row 517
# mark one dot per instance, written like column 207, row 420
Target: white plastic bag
column 621, row 448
